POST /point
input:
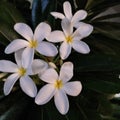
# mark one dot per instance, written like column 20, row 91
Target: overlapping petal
column 57, row 15
column 28, row 86
column 45, row 94
column 84, row 29
column 8, row 66
column 47, row 49
column 81, row 47
column 24, row 30
column 66, row 71
column 73, row 88
column 67, row 27
column 18, row 57
column 56, row 36
column 61, row 102
column 39, row 66
column 27, row 57
column 16, row 45
column 65, row 50
column 67, row 10
column 79, row 15
column 42, row 31
column 9, row 83
column 49, row 76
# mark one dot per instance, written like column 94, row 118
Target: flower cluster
column 40, row 44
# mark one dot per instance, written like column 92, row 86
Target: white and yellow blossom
column 58, row 86
column 71, row 39
column 67, row 9
column 21, row 71
column 33, row 41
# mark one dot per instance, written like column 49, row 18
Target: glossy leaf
column 109, row 29
column 9, row 16
column 96, row 62
column 107, row 17
column 101, row 7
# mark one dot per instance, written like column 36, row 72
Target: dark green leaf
column 95, row 62
column 93, row 3
column 101, row 82
column 81, row 4
column 9, row 16
column 105, row 107
column 101, row 7
column 109, row 29
column 102, row 44
column 107, row 17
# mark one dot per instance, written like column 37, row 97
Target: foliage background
column 98, row 71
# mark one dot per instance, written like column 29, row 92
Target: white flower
column 20, row 71
column 71, row 39
column 39, row 66
column 33, row 41
column 74, row 19
column 58, row 86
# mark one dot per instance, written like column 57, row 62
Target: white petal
column 9, row 83
column 84, row 29
column 49, row 76
column 67, row 27
column 16, row 45
column 67, row 10
column 27, row 57
column 28, row 86
column 61, row 102
column 76, row 35
column 18, row 57
column 45, row 94
column 24, row 30
column 73, row 88
column 39, row 66
column 65, row 50
column 8, row 66
column 81, row 47
column 66, row 71
column 79, row 15
column 47, row 49
column 42, row 31
column 56, row 36
column 57, row 15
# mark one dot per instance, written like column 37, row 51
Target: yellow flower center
column 33, row 43
column 22, row 71
column 58, row 84
column 69, row 39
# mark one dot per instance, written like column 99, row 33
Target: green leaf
column 109, row 29
column 100, row 7
column 81, row 4
column 93, row 3
column 9, row 16
column 102, row 44
column 105, row 107
column 107, row 17
column 95, row 62
column 87, row 106
column 101, row 82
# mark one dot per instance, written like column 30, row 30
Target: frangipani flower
column 58, row 86
column 33, row 41
column 71, row 39
column 20, row 71
column 79, row 15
